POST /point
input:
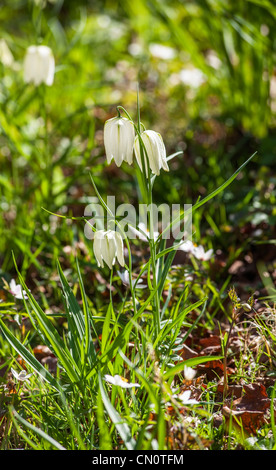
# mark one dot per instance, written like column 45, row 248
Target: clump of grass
column 94, row 326
column 136, row 341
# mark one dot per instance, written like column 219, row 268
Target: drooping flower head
column 108, row 245
column 119, row 137
column 39, row 65
column 155, row 149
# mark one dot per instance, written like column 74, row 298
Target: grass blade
column 121, row 427
column 27, row 356
column 38, row 431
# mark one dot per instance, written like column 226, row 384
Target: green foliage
column 51, row 150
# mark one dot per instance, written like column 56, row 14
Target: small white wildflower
column 186, row 246
column 185, row 398
column 22, row 376
column 202, row 255
column 120, row 381
column 162, row 52
column 192, row 77
column 143, row 233
column 124, row 276
column 15, row 290
column 189, row 373
column 197, row 251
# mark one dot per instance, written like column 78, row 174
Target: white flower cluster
column 120, row 144
column 108, row 245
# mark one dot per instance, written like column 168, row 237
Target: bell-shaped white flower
column 155, row 149
column 108, row 245
column 119, row 137
column 124, row 276
column 39, row 65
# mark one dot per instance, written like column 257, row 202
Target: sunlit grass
column 51, row 143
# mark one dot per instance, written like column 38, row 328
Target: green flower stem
column 129, row 268
column 132, row 290
column 47, row 155
column 147, row 190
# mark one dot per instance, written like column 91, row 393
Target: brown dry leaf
column 10, row 387
column 249, row 410
column 250, row 421
column 41, row 351
column 187, row 353
column 214, row 368
column 216, row 364
column 232, row 390
column 3, row 295
column 51, row 363
column 21, row 361
column 255, row 398
column 212, row 340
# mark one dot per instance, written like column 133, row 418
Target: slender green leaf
column 189, row 363
column 121, row 427
column 38, row 431
column 27, row 356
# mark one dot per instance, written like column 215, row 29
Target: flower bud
column 118, row 140
column 155, row 149
column 246, row 307
column 39, row 65
column 107, row 247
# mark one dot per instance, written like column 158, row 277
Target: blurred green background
column 207, row 82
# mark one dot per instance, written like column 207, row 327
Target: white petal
column 14, row 373
column 189, row 373
column 117, row 380
column 152, row 151
column 118, row 140
column 39, row 65
column 110, row 248
column 185, row 398
column 208, row 254
column 162, row 152
column 130, row 136
column 137, row 152
column 107, row 141
column 13, row 285
column 124, row 277
column 109, row 378
column 152, row 146
column 155, row 149
column 186, row 246
column 120, row 249
column 97, row 247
